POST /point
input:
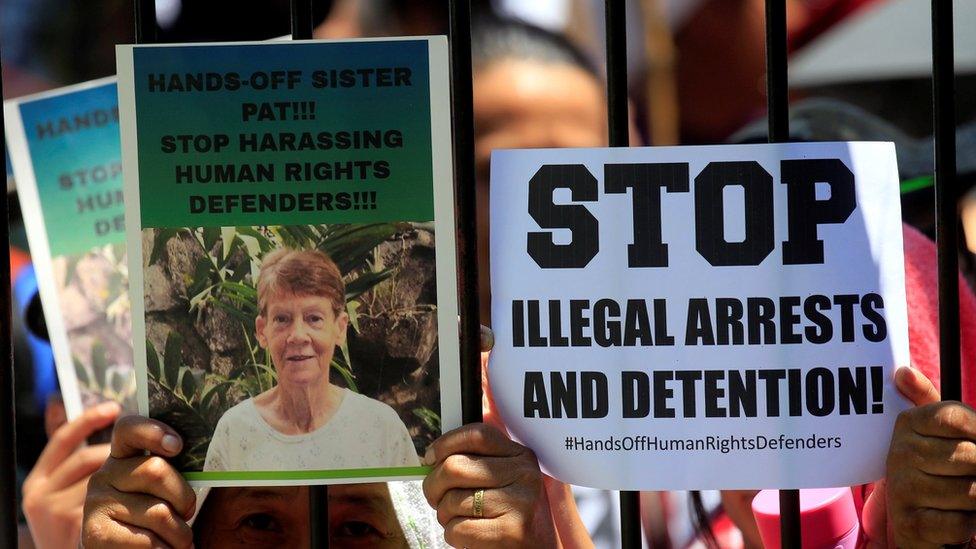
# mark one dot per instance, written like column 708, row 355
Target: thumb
column 488, row 408
column 915, row 386
column 874, row 518
column 487, row 339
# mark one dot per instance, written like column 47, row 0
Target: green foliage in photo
column 225, row 277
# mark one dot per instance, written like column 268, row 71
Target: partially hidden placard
column 700, row 317
column 290, row 221
column 64, row 146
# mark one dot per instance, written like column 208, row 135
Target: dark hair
column 701, row 521
column 494, row 38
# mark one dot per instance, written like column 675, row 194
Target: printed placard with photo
column 290, row 215
column 67, row 162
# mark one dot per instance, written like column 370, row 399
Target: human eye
column 262, row 522
column 280, row 318
column 315, row 319
column 351, row 532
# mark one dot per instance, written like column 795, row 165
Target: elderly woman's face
column 301, row 332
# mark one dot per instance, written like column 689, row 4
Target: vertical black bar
column 8, row 455
column 318, row 516
column 145, row 14
column 302, row 23
column 946, row 221
column 462, row 102
column 777, row 86
column 616, row 23
column 618, row 121
column 778, row 112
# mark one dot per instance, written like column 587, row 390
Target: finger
column 487, row 339
column 460, row 502
column 489, row 410
column 944, row 456
column 80, row 465
column 150, row 475
column 75, row 494
column 102, row 532
column 135, row 435
column 152, row 514
column 874, row 518
column 947, row 419
column 144, row 517
column 466, row 532
column 54, row 414
column 472, row 472
column 942, row 527
column 69, row 436
column 916, row 387
column 475, row 438
column 497, row 532
column 942, row 493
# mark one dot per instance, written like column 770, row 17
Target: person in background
column 720, row 57
column 532, row 89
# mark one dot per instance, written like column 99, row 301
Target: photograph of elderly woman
column 93, row 296
column 294, row 348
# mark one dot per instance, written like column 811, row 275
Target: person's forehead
column 258, row 493
column 522, row 104
column 517, row 80
column 372, row 490
column 281, row 299
column 374, row 494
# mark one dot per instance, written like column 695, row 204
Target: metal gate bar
column 302, row 26
column 618, row 121
column 462, row 103
column 145, row 17
column 8, row 426
column 946, row 191
column 778, row 115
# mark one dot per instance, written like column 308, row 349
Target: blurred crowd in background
column 859, row 70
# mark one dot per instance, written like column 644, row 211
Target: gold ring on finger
column 479, row 503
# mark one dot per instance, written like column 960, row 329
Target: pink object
column 828, row 519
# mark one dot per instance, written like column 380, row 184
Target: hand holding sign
column 931, row 465
column 137, row 499
column 487, row 489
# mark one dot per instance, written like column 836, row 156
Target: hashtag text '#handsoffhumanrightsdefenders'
column 723, row 444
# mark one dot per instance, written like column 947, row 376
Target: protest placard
column 67, row 163
column 290, row 221
column 699, row 317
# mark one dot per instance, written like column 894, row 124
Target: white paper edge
column 133, row 222
column 37, row 239
column 445, row 255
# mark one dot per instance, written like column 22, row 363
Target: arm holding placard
column 54, row 491
column 927, row 498
column 488, row 489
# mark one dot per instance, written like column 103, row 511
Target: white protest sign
column 699, row 317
